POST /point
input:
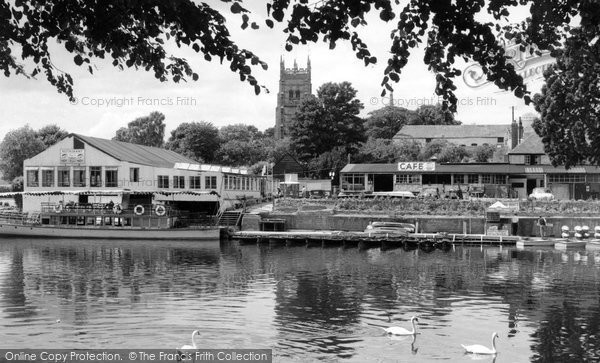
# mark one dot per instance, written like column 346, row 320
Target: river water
column 307, row 304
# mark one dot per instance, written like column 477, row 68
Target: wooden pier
column 364, row 240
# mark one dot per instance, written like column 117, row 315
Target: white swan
column 480, row 349
column 396, row 330
column 193, row 346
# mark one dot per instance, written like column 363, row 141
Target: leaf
column 195, row 76
column 78, row 60
column 236, row 8
column 269, row 23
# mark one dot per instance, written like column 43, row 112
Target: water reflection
column 306, row 303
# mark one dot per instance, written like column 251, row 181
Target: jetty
column 365, row 240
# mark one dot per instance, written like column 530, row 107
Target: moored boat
column 110, row 221
column 593, row 245
column 566, row 244
column 535, row 242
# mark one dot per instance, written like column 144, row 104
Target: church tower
column 294, row 86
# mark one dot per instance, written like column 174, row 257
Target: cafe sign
column 416, row 166
column 72, row 156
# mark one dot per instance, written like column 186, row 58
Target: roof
column 138, row 154
column 476, row 168
column 451, row 131
column 531, row 145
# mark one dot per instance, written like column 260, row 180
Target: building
column 83, row 169
column 528, row 167
column 294, row 86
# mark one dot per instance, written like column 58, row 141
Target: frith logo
column 528, row 65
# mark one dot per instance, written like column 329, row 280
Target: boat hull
column 12, row 230
column 570, row 244
column 536, row 242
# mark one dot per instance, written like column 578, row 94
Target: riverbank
column 430, row 216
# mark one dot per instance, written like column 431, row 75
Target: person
column 110, row 205
column 459, row 193
column 303, row 192
column 542, row 224
column 515, row 225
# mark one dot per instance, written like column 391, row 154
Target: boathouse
column 83, row 169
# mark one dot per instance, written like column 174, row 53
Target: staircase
column 230, row 218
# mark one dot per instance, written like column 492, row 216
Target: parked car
column 394, row 194
column 318, row 194
column 429, row 193
column 390, row 228
column 541, row 194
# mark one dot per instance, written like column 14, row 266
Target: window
column 134, row 175
column 178, row 182
column 48, row 178
column 353, row 181
column 493, row 178
column 291, row 94
column 163, row 181
column 532, row 159
column 567, row 178
column 459, row 179
column 32, row 178
column 211, row 182
column 474, row 144
column 473, row 178
column 95, row 176
column 195, row 182
column 297, row 93
column 79, row 177
column 500, row 139
column 64, row 179
column 111, row 176
column 428, row 140
column 408, row 179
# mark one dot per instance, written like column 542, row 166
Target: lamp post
column 332, row 176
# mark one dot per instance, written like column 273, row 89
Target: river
column 307, row 304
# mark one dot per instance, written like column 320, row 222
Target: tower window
column 297, row 93
column 291, row 94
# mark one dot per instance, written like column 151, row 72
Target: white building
column 83, row 169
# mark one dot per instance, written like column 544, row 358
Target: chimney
column 514, row 134
column 520, row 130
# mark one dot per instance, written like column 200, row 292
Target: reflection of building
column 528, row 167
column 294, row 86
column 85, row 169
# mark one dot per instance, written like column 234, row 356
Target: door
column 383, row 182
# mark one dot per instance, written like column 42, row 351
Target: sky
column 110, row 98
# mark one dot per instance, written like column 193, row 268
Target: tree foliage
column 51, row 134
column 327, row 121
column 18, row 145
column 388, row 151
column 433, row 115
column 139, row 34
column 384, row 123
column 196, row 140
column 148, row 130
column 239, row 132
column 569, row 103
column 452, row 153
column 483, row 153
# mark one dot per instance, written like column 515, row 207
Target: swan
column 193, row 346
column 480, row 349
column 396, row 330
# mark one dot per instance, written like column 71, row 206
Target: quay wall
column 325, row 220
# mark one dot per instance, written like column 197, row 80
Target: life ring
column 138, row 210
column 58, row 208
column 117, row 209
column 160, row 210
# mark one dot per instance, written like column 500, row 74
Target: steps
column 230, row 218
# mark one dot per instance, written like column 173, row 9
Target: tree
column 388, row 151
column 148, row 130
column 483, row 153
column 239, row 132
column 18, row 145
column 139, row 34
column 51, row 134
column 196, row 140
column 433, row 148
column 240, row 152
column 432, row 115
column 333, row 160
column 569, row 104
column 328, row 120
column 452, row 153
column 385, row 122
